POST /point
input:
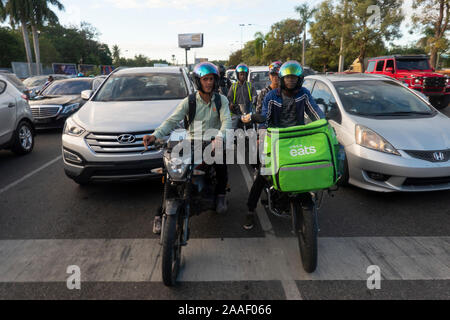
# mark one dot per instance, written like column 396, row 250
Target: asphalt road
column 47, row 223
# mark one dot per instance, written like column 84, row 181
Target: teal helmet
column 241, row 68
column 292, row 68
column 202, row 69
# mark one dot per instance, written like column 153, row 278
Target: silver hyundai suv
column 103, row 140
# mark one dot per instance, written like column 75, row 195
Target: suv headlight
column 176, row 167
column 72, row 129
column 370, row 139
column 70, row 108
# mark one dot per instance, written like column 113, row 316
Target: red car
column 416, row 72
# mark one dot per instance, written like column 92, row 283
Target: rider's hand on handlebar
column 148, row 140
column 246, row 118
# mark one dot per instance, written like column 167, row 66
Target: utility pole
column 187, row 49
column 341, row 51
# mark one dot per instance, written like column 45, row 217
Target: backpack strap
column 192, row 110
column 218, row 102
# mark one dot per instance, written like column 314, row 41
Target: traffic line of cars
column 394, row 139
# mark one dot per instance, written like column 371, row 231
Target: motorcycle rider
column 206, row 78
column 224, row 82
column 283, row 107
column 274, row 68
column 241, row 93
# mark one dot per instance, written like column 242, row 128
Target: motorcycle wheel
column 305, row 224
column 171, row 253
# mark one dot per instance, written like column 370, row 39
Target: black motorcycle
column 188, row 191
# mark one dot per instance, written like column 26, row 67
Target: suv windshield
column 65, row 88
column 259, row 79
column 379, row 98
column 413, row 64
column 143, row 86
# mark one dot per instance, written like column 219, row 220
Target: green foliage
column 12, row 47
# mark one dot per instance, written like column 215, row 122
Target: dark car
column 59, row 100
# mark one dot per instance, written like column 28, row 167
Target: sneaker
column 157, row 225
column 221, row 205
column 249, row 221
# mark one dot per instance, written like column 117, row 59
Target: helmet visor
column 291, row 68
column 241, row 68
column 205, row 68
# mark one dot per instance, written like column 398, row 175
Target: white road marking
column 9, row 186
column 230, row 259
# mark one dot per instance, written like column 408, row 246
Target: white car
column 16, row 120
column 102, row 141
column 259, row 77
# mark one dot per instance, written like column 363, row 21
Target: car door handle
column 11, row 105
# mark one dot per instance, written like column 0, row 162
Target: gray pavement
column 47, row 222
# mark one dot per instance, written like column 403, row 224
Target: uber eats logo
column 300, row 150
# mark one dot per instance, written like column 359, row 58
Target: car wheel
column 23, row 139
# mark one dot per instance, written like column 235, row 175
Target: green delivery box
column 302, row 158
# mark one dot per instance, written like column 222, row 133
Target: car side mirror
column 86, row 94
column 390, row 69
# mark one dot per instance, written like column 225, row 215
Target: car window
column 323, row 95
column 2, row 86
column 141, row 87
column 67, row 87
column 379, row 98
column 371, row 66
column 413, row 64
column 34, row 81
column 11, row 77
column 259, row 79
column 308, row 84
column 97, row 83
column 389, row 64
column 380, row 65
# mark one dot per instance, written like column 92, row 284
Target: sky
column 151, row 27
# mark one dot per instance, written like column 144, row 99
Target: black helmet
column 203, row 69
column 222, row 70
column 291, row 68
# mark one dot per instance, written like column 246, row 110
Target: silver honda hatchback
column 394, row 139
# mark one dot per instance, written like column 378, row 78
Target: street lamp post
column 242, row 25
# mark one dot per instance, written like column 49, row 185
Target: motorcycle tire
column 305, row 223
column 171, row 253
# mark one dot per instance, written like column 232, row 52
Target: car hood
column 59, row 100
column 412, row 133
column 124, row 116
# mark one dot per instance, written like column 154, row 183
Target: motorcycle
column 188, row 191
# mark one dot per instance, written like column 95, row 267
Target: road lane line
column 289, row 286
column 30, row 174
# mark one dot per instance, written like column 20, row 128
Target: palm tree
column 260, row 41
column 116, row 54
column 20, row 12
column 41, row 14
column 305, row 17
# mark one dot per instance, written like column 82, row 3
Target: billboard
column 105, row 70
column 190, row 40
column 65, row 68
column 85, row 68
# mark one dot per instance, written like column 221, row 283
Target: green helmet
column 292, row 68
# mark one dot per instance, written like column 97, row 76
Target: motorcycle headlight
column 370, row 139
column 176, row 167
column 72, row 128
column 70, row 108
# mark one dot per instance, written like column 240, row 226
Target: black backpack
column 193, row 108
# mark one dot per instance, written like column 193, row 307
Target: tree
column 40, row 15
column 12, row 47
column 235, row 58
column 325, row 37
column 372, row 26
column 260, row 41
column 283, row 41
column 434, row 17
column 20, row 12
column 116, row 54
column 305, row 16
